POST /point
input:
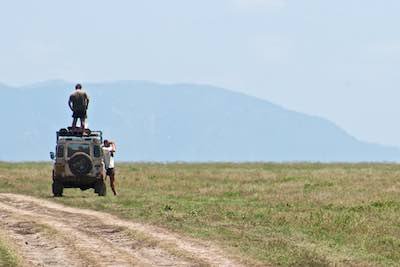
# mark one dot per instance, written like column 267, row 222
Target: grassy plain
column 266, row 214
column 7, row 255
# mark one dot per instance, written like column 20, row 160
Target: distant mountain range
column 178, row 122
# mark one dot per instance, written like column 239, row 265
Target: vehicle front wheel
column 100, row 188
column 57, row 189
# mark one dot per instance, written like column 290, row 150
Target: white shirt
column 108, row 159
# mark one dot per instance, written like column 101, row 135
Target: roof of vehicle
column 66, row 134
column 80, row 139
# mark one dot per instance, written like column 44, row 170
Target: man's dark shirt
column 79, row 100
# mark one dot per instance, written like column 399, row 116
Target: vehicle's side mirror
column 52, row 156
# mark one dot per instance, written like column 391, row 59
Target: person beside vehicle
column 108, row 157
column 79, row 103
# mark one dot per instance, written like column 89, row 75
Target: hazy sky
column 337, row 59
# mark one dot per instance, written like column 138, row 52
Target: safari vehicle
column 78, row 162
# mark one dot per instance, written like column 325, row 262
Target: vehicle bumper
column 78, row 182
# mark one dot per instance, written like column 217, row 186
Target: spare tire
column 80, row 164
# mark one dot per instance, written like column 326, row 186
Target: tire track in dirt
column 35, row 244
column 100, row 239
column 74, row 247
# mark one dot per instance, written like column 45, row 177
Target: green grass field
column 278, row 214
column 8, row 258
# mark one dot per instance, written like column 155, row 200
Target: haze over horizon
column 335, row 60
column 156, row 122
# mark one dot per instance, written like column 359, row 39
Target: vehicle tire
column 100, row 188
column 57, row 189
column 80, row 164
column 63, row 131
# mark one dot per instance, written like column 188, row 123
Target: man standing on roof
column 79, row 103
column 108, row 157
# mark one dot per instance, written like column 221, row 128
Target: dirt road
column 50, row 234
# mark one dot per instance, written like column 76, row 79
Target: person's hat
column 78, row 86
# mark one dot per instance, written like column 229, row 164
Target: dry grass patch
column 279, row 214
column 8, row 256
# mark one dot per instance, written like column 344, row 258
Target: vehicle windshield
column 74, row 148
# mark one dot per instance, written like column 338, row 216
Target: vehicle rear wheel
column 57, row 189
column 100, row 188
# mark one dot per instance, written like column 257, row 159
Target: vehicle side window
column 96, row 151
column 60, row 151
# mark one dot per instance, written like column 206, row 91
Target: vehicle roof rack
column 77, row 132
